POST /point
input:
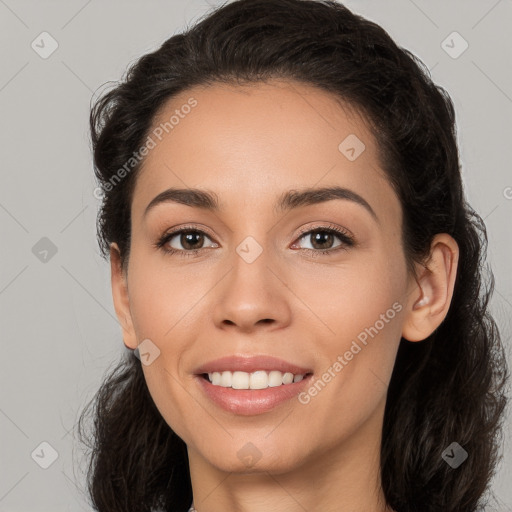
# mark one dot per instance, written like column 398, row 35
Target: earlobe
column 431, row 295
column 121, row 298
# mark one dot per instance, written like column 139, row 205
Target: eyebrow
column 292, row 199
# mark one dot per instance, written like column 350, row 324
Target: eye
column 189, row 241
column 186, row 241
column 322, row 239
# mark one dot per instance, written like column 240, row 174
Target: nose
column 253, row 295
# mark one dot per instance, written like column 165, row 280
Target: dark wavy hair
column 449, row 387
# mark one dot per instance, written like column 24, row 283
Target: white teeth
column 288, row 378
column 275, row 379
column 240, row 380
column 225, row 379
column 256, row 380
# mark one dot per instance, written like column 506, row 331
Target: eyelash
column 346, row 240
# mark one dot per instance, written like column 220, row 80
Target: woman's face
column 259, row 283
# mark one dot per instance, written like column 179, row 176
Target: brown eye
column 183, row 241
column 188, row 240
column 323, row 240
column 191, row 240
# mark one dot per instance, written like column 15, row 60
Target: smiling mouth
column 260, row 379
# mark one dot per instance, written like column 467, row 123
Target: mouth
column 241, row 399
column 260, row 379
column 251, row 384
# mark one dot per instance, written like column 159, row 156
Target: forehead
column 249, row 143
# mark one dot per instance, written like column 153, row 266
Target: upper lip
column 250, row 364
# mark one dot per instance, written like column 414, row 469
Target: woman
column 298, row 273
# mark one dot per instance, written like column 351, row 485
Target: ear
column 430, row 298
column 121, row 297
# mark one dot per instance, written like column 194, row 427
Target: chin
column 250, row 460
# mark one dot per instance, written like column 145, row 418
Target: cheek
column 165, row 306
column 364, row 314
column 170, row 399
column 358, row 361
column 353, row 297
column 162, row 298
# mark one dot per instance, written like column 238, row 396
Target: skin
column 249, row 144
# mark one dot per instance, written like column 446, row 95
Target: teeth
column 256, row 380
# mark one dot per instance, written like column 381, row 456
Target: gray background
column 58, row 326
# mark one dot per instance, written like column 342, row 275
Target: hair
column 449, row 387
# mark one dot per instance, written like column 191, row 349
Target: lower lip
column 248, row 402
